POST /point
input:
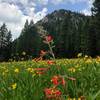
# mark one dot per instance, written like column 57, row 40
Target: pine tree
column 3, row 32
column 96, row 24
column 5, row 42
column 29, row 40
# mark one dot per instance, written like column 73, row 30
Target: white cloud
column 68, row 1
column 12, row 16
column 57, row 1
column 15, row 12
column 39, row 15
column 44, row 2
column 35, row 16
column 15, row 18
column 10, row 13
column 87, row 11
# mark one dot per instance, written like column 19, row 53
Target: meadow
column 62, row 79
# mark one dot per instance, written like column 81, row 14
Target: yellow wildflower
column 14, row 85
column 74, row 98
column 79, row 99
column 16, row 70
column 79, row 55
column 98, row 59
column 86, row 56
column 30, row 70
column 72, row 69
column 88, row 61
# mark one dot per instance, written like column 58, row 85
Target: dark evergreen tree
column 96, row 25
column 29, row 40
column 5, row 42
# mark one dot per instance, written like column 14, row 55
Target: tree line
column 72, row 33
column 5, row 43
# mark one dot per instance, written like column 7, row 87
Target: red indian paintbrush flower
column 58, row 93
column 42, row 52
column 55, row 80
column 40, row 69
column 39, row 72
column 50, row 62
column 37, row 59
column 52, row 92
column 49, row 38
column 48, row 91
column 63, row 82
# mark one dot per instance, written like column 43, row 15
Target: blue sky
column 79, row 6
column 15, row 12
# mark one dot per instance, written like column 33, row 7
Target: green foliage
column 30, row 86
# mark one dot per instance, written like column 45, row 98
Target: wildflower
column 72, row 69
column 40, row 69
column 57, row 92
column 98, row 60
column 79, row 55
column 16, row 70
column 30, row 70
column 52, row 92
column 14, row 85
column 86, row 56
column 48, row 91
column 55, row 80
column 70, row 98
column 48, row 38
column 63, row 82
column 39, row 72
column 50, row 62
column 74, row 98
column 42, row 52
column 37, row 59
column 88, row 61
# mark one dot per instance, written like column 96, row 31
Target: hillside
column 69, row 30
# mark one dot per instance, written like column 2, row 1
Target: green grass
column 30, row 86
